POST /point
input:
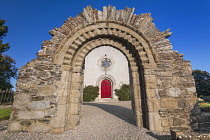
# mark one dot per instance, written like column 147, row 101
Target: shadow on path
column 159, row 137
column 126, row 115
column 118, row 111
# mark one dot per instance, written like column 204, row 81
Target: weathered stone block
column 58, row 121
column 74, row 108
column 153, row 104
column 44, row 121
column 39, row 128
column 26, row 123
column 162, row 93
column 185, row 116
column 73, row 121
column 181, row 103
column 39, row 105
column 150, row 78
column 177, row 121
column 58, row 130
column 21, row 101
column 175, row 80
column 191, row 90
column 74, row 100
column 37, row 98
column 151, row 85
column 151, row 93
column 169, row 103
column 174, row 92
column 154, row 122
column 30, row 115
column 177, row 111
column 76, row 85
column 60, row 118
column 62, row 100
column 51, row 112
column 76, row 76
column 14, row 126
column 75, row 94
column 164, row 122
column 163, row 112
column 47, row 90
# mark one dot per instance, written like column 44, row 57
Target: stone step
column 106, row 100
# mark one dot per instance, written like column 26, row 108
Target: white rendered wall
column 118, row 70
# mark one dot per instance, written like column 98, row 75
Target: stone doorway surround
column 50, row 87
column 113, row 83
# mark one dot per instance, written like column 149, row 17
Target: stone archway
column 49, row 88
column 134, row 69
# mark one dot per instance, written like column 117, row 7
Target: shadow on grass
column 118, row 111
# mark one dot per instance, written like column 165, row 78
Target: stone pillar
column 137, row 98
column 152, row 99
column 74, row 100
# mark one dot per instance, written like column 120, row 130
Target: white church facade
column 107, row 68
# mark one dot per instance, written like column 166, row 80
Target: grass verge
column 5, row 113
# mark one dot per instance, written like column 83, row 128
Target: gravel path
column 100, row 121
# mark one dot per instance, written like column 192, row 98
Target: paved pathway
column 100, row 121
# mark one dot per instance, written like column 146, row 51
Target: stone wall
column 49, row 88
column 176, row 90
column 35, row 103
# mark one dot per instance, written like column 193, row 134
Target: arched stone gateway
column 49, row 88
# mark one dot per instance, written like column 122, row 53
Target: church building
column 107, row 68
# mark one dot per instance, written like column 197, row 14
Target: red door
column 106, row 89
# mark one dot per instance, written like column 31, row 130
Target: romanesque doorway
column 106, row 89
column 50, row 87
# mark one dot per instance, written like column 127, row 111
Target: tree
column 7, row 64
column 202, row 82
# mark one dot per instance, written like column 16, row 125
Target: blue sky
column 30, row 20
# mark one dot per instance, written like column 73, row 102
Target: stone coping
column 189, row 135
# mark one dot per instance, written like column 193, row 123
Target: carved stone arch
column 50, row 87
column 89, row 46
column 102, row 77
column 134, row 57
column 115, row 30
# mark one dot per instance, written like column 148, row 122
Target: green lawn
column 5, row 113
column 204, row 104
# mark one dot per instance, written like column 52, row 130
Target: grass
column 5, row 113
column 204, row 104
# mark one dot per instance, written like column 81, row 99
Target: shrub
column 123, row 93
column 90, row 93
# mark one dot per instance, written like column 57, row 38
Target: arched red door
column 106, row 88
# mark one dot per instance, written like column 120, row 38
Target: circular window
column 105, row 63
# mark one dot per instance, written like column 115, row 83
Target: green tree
column 202, row 82
column 123, row 93
column 7, row 64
